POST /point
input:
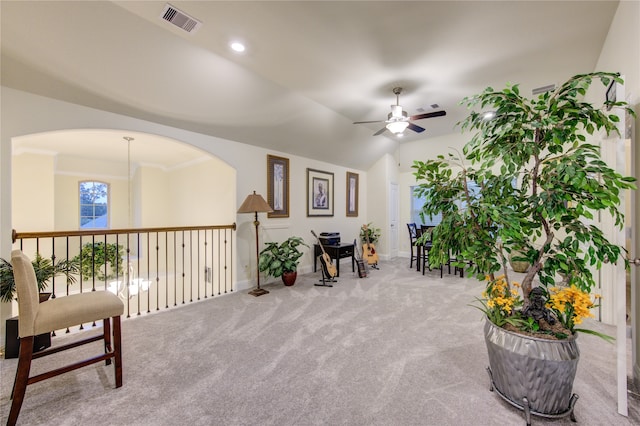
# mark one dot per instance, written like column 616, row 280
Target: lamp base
column 258, row 292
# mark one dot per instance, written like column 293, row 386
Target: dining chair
column 413, row 234
column 425, row 247
column 36, row 318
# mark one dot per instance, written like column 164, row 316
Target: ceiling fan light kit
column 397, row 127
column 398, row 120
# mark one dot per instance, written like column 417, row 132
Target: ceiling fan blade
column 367, row 122
column 428, row 115
column 416, row 128
column 379, row 132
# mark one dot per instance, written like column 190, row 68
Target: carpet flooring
column 396, row 348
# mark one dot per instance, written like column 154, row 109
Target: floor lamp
column 254, row 203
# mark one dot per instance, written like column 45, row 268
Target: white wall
column 430, row 148
column 154, row 203
column 383, row 172
column 33, row 179
column 419, row 151
column 207, row 189
column 621, row 53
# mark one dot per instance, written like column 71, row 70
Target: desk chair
column 38, row 318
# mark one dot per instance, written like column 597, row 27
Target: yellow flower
column 571, row 304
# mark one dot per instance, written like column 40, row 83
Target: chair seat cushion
column 67, row 311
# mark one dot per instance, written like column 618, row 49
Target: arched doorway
column 153, row 180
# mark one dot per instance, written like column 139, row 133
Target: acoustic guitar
column 368, row 249
column 328, row 267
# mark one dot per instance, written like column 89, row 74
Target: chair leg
column 425, row 261
column 411, row 262
column 106, row 328
column 117, row 348
column 22, row 377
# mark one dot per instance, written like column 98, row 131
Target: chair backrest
column 426, row 229
column 27, row 288
column 413, row 230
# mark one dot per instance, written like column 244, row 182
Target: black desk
column 336, row 252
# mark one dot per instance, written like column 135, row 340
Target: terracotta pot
column 289, row 278
column 43, row 297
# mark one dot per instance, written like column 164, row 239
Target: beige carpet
column 397, row 348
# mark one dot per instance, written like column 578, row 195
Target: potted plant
column 369, row 234
column 281, row 259
column 104, row 261
column 529, row 182
column 45, row 270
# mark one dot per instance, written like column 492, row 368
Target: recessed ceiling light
column 237, row 47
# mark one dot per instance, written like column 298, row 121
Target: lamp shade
column 254, row 203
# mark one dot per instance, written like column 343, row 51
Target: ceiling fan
column 398, row 120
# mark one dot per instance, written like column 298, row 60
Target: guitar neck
column 319, row 243
column 366, row 234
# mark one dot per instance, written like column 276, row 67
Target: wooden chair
column 413, row 234
column 425, row 248
column 38, row 318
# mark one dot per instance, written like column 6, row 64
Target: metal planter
column 535, row 375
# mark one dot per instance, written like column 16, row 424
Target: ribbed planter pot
column 289, row 278
column 535, row 375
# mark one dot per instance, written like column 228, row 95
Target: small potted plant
column 95, row 257
column 369, row 234
column 45, row 270
column 281, row 259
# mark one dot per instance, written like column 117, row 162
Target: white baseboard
column 251, row 283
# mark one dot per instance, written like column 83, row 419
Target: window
column 416, row 208
column 417, row 203
column 94, row 205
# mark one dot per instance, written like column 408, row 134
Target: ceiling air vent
column 432, row 106
column 180, row 19
column 543, row 89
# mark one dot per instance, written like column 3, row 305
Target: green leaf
column 605, row 337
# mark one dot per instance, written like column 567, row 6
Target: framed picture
column 319, row 193
column 278, row 185
column 352, row 194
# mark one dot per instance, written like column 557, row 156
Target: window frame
column 80, row 205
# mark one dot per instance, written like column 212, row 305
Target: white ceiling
column 312, row 68
column 110, row 146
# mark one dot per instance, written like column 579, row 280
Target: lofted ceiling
column 310, row 70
